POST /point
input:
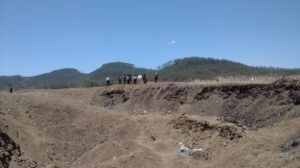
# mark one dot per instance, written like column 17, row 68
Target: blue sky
column 38, row 36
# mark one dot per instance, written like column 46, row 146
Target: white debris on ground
column 182, row 149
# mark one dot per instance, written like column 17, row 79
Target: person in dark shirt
column 124, row 78
column 144, row 78
column 120, row 79
column 156, row 77
column 134, row 78
column 129, row 79
column 10, row 89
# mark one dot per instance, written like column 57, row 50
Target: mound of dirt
column 201, row 155
column 187, row 125
column 205, row 135
column 114, row 97
column 287, row 82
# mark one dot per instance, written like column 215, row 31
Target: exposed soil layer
column 8, row 149
column 10, row 154
column 134, row 126
column 292, row 143
column 187, row 125
column 253, row 105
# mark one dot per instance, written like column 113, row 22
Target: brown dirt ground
column 134, row 126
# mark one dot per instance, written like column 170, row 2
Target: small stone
column 153, row 138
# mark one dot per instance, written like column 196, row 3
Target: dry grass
column 242, row 80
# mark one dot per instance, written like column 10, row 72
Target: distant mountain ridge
column 115, row 69
column 185, row 69
column 66, row 76
column 209, row 68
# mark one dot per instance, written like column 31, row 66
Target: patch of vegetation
column 185, row 69
column 208, row 68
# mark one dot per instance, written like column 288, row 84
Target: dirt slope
column 255, row 125
column 253, row 105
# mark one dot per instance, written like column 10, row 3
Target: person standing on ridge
column 124, row 78
column 10, row 89
column 155, row 77
column 139, row 79
column 134, row 78
column 129, row 79
column 144, row 78
column 120, row 79
column 107, row 81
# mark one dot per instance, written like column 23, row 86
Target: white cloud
column 172, row 42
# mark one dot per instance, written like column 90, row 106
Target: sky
column 38, row 36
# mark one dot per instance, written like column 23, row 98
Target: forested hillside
column 209, row 68
column 185, row 69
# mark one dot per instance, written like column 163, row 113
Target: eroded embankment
column 8, row 149
column 252, row 105
column 10, row 153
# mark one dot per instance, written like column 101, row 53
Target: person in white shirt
column 107, row 81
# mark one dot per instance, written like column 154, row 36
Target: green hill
column 69, row 77
column 55, row 79
column 177, row 70
column 115, row 69
column 208, row 68
column 17, row 81
column 58, row 78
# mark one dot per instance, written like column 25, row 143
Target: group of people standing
column 132, row 79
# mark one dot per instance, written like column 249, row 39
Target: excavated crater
column 252, row 105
